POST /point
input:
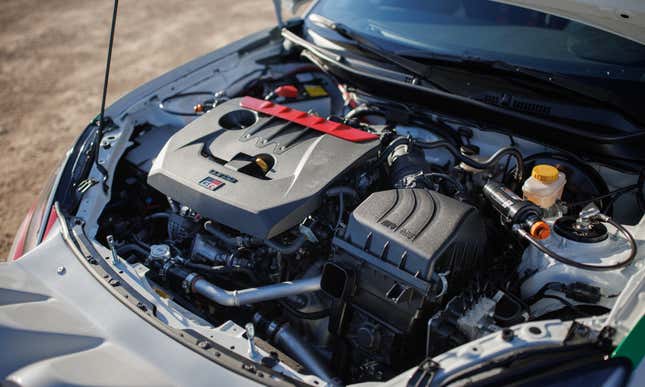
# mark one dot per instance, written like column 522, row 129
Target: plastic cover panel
column 411, row 229
column 205, row 166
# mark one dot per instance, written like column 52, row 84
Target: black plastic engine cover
column 210, row 166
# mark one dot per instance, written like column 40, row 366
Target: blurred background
column 52, row 60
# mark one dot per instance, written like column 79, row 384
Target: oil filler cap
column 545, row 173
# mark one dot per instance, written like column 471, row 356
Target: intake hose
column 491, row 161
column 584, row 266
column 287, row 339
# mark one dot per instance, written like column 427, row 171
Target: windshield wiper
column 420, row 70
column 545, row 78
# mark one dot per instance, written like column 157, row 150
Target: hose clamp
column 187, row 283
column 164, row 269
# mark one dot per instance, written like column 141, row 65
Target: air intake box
column 386, row 261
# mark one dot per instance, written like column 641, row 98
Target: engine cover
column 256, row 173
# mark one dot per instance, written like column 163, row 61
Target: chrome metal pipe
column 254, row 295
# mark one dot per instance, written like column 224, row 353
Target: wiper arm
column 554, row 80
column 418, row 69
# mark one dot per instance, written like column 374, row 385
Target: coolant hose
column 630, row 239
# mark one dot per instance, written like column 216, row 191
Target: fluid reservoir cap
column 287, row 91
column 545, row 173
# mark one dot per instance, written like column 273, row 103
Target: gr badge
column 211, row 183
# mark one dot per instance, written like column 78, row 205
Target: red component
column 53, row 217
column 287, row 91
column 320, row 124
column 21, row 236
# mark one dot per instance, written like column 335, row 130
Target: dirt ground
column 52, row 58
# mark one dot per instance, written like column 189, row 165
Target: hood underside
column 622, row 17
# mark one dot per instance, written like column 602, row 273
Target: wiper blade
column 554, row 80
column 418, row 69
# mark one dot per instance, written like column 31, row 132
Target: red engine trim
column 320, row 124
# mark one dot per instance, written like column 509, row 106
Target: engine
column 359, row 240
column 257, row 173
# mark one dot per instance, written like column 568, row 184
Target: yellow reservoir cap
column 545, row 173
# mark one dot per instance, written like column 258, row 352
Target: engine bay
column 357, row 236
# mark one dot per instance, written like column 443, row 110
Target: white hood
column 621, row 17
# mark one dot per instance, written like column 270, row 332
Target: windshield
column 491, row 31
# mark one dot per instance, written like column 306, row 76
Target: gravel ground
column 52, row 58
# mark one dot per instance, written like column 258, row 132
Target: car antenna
column 107, row 65
column 101, row 120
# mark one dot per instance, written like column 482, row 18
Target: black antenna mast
column 107, row 65
column 101, row 120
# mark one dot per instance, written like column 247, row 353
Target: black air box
column 394, row 242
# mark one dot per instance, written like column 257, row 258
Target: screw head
column 61, row 270
column 507, row 334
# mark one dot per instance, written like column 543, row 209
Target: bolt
column 250, row 334
column 204, row 344
column 61, row 270
column 582, row 330
column 507, row 334
column 115, row 256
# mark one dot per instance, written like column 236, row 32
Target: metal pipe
column 254, row 295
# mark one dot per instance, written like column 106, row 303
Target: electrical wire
column 567, row 304
column 616, row 192
column 182, row 95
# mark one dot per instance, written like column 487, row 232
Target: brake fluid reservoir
column 545, row 185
